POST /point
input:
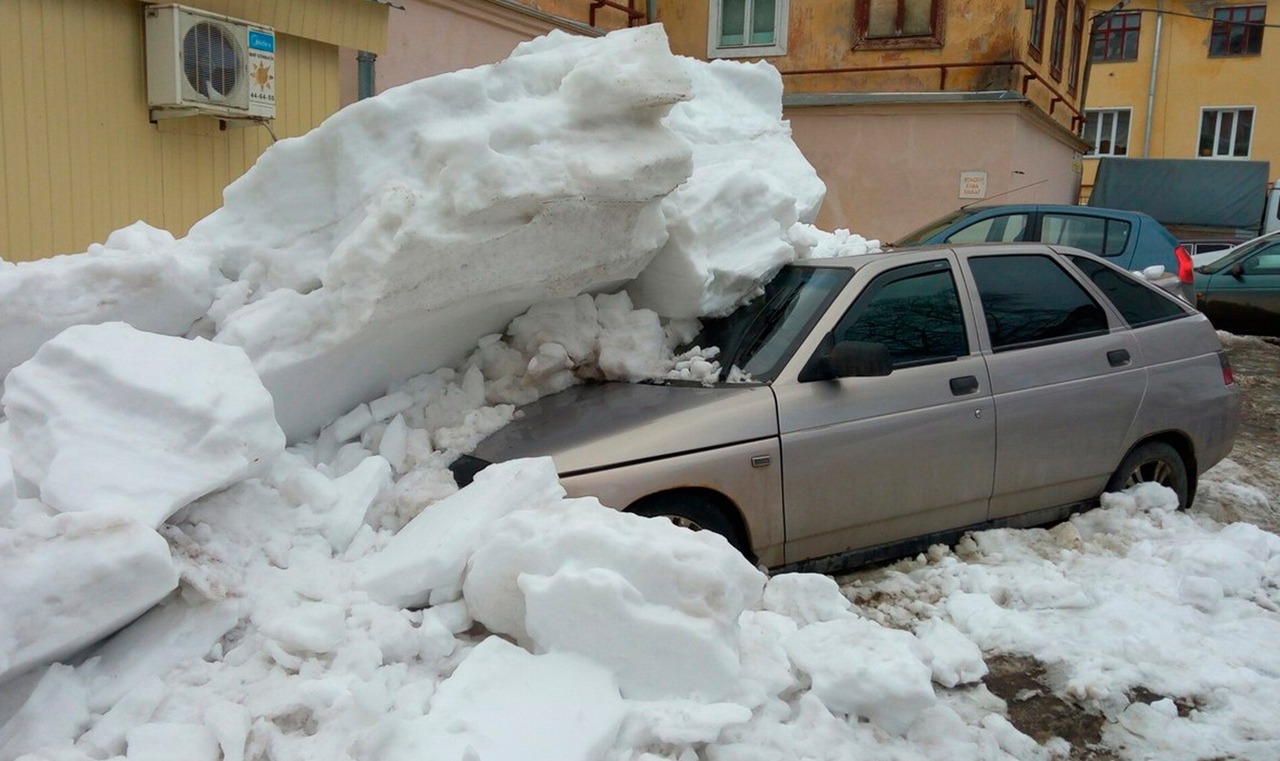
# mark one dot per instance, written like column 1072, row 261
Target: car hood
column 605, row 424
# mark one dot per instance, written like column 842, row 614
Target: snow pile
column 731, row 223
column 135, row 277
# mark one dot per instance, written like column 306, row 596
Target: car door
column 870, row 460
column 1066, row 376
column 1245, row 297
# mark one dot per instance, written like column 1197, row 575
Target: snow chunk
column 956, row 659
column 166, row 741
column 362, row 260
column 655, row 651
column 730, row 223
column 503, row 703
column 431, row 551
column 696, row 573
column 70, row 580
column 806, row 598
column 863, row 669
column 135, row 277
column 106, row 417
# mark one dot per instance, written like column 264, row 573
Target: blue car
column 1129, row 239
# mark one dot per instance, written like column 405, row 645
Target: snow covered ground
column 339, row 598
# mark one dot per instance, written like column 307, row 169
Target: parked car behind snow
column 1128, row 239
column 900, row 399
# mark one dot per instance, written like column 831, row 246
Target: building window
column 1077, row 35
column 1115, row 38
column 1035, row 42
column 1226, row 132
column 1107, row 131
column 897, row 24
column 1237, row 30
column 747, row 28
column 1058, row 44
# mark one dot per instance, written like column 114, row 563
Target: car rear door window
column 914, row 311
column 1097, row 235
column 1003, row 228
column 1030, row 300
column 1137, row 303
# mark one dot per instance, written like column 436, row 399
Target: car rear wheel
column 1154, row 462
column 695, row 512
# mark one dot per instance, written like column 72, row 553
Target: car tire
column 1154, row 462
column 695, row 512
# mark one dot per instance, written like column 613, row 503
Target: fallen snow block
column 106, row 417
column 696, row 573
column 8, row 495
column 956, row 659
column 172, row 633
column 860, row 668
column 54, row 710
column 656, row 652
column 311, row 628
column 357, row 491
column 366, row 261
column 503, row 703
column 806, row 598
column 137, row 277
column 432, row 550
column 165, row 741
column 68, row 581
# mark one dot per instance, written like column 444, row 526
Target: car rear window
column 1138, row 303
column 1030, row 300
column 1097, row 235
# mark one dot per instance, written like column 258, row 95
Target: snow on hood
column 342, row 599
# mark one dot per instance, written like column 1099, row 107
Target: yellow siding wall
column 78, row 154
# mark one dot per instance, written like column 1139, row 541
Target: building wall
column 992, row 33
column 885, row 194
column 79, row 156
column 1186, row 80
column 431, row 37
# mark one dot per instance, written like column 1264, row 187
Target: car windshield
column 760, row 336
column 1238, row 253
column 927, row 232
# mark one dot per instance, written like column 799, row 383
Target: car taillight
column 1186, row 270
column 1228, row 376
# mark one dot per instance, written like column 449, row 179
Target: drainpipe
column 365, row 74
column 1151, row 89
column 650, row 12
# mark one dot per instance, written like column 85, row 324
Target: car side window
column 914, row 311
column 1030, row 300
column 1004, row 228
column 1264, row 262
column 1137, row 303
column 1097, row 235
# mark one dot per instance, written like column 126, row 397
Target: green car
column 1240, row 292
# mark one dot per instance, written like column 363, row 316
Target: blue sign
column 264, row 41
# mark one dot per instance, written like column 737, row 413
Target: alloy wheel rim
column 1156, row 471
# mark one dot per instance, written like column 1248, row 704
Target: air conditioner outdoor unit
column 204, row 63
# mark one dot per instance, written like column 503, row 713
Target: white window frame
column 1093, row 150
column 1234, row 127
column 778, row 48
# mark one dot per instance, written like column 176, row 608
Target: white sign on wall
column 973, row 184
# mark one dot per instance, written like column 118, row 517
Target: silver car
column 900, row 399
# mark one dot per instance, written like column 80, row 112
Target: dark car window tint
column 1004, row 228
column 1136, row 302
column 1031, row 300
column 1265, row 262
column 1097, row 235
column 915, row 311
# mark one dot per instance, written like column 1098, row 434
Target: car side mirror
column 1237, row 271
column 847, row 359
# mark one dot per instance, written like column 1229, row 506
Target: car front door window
column 914, row 311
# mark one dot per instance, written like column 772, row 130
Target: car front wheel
column 692, row 511
column 1154, row 462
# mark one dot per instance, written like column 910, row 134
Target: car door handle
column 1118, row 358
column 966, row 384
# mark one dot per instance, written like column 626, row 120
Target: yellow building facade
column 1177, row 79
column 79, row 153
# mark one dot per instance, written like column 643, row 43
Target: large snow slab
column 106, row 417
column 72, row 579
column 389, row 239
column 138, row 276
